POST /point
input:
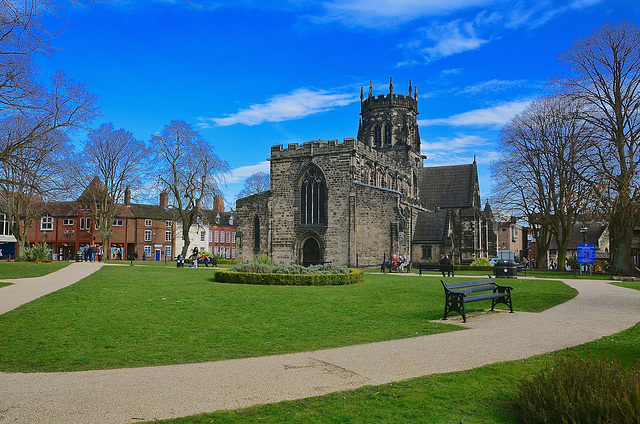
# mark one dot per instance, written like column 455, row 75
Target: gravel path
column 136, row 394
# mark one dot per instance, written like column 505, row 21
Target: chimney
column 127, row 196
column 218, row 203
column 164, row 199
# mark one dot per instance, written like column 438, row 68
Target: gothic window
column 256, row 234
column 387, row 134
column 377, row 135
column 312, row 198
column 426, row 252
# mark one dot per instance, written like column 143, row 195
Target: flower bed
column 265, row 275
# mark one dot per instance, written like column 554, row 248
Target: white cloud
column 456, row 150
column 493, row 86
column 494, row 116
column 284, row 107
column 446, row 40
column 381, row 13
column 241, row 173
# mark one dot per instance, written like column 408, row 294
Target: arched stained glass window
column 312, row 197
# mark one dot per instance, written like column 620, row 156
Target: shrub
column 580, row 391
column 263, row 259
column 481, row 262
column 38, row 253
column 262, row 278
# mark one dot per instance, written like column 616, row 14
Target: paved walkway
column 132, row 395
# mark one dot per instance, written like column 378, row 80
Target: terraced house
column 139, row 231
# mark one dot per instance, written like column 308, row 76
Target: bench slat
column 459, row 284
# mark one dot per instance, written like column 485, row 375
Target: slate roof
column 211, row 216
column 594, row 231
column 448, row 186
column 431, row 227
column 150, row 211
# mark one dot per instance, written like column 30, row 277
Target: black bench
column 459, row 293
column 436, row 267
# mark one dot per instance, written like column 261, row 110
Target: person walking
column 85, row 252
column 446, row 261
column 195, row 257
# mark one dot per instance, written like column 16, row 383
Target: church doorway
column 311, row 252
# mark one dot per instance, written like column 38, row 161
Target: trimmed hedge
column 473, row 268
column 355, row 276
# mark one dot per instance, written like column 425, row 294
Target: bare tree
column 604, row 74
column 189, row 170
column 255, row 184
column 118, row 161
column 65, row 105
column 33, row 176
column 542, row 171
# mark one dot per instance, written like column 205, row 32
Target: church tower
column 389, row 123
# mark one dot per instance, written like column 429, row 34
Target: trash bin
column 79, row 256
column 180, row 261
column 505, row 268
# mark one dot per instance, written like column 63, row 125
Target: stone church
column 364, row 199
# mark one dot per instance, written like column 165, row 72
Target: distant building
column 139, row 231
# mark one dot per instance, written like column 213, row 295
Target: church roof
column 448, row 186
column 431, row 227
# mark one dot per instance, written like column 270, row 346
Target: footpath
column 139, row 394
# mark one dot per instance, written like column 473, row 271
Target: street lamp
column 584, row 230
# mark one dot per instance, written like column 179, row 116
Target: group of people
column 398, row 263
column 91, row 253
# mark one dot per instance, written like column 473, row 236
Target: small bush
column 481, row 262
column 580, row 391
column 263, row 259
column 38, row 253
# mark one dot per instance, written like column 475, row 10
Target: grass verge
column 145, row 316
column 11, row 270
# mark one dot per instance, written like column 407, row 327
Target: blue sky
column 250, row 74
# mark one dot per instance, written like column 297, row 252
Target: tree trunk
column 621, row 236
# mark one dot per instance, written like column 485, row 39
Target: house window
column 117, row 222
column 46, row 223
column 5, row 225
column 210, row 236
column 215, row 250
column 148, row 222
column 233, row 253
column 167, row 236
column 147, row 251
column 228, row 237
column 233, row 237
column 168, row 223
column 85, row 223
column 67, row 221
column 167, row 251
column 312, row 198
column 426, row 252
column 203, row 236
column 215, row 237
column 147, row 235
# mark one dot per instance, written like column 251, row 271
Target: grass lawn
column 479, row 396
column 155, row 315
column 10, row 270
